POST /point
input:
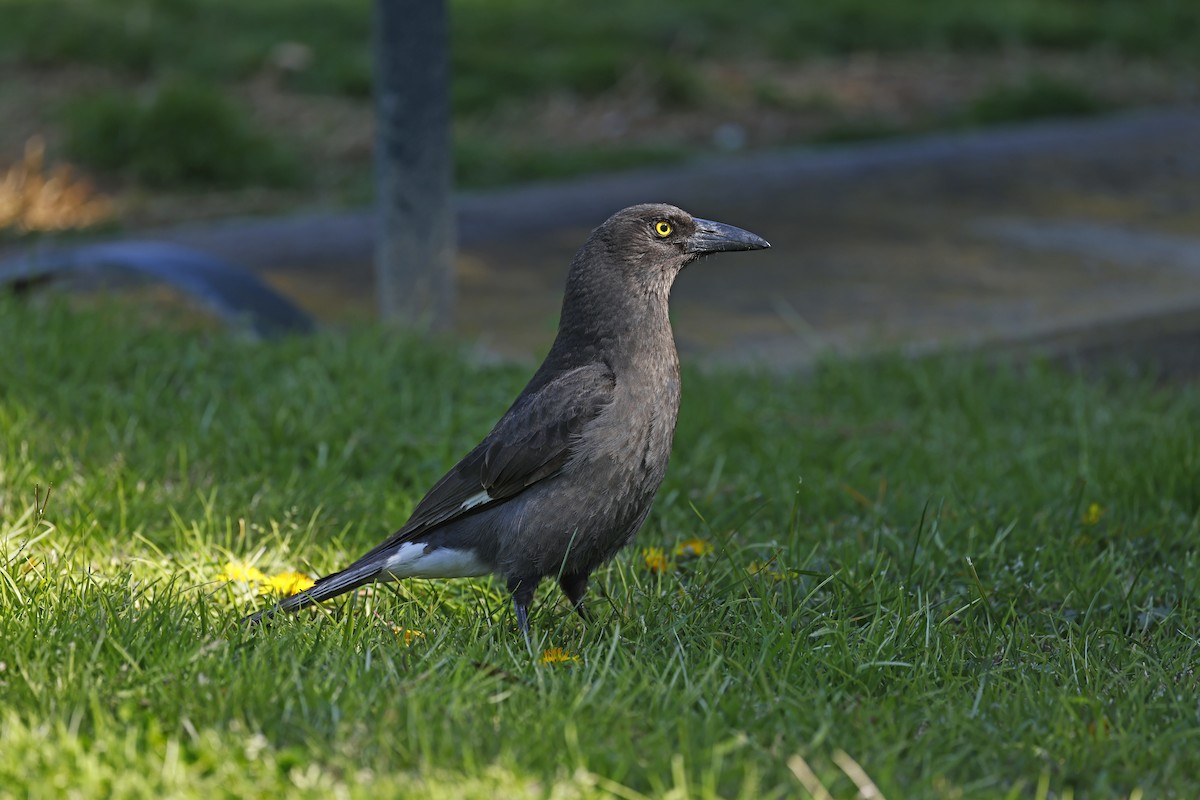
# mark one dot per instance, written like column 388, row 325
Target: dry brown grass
column 35, row 198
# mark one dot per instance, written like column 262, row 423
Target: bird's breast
column 631, row 439
column 592, row 509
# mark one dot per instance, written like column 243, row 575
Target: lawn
column 190, row 108
column 970, row 579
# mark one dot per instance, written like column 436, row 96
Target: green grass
column 936, row 605
column 508, row 55
column 585, row 48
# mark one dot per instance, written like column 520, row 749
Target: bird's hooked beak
column 717, row 237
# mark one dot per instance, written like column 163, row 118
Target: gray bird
column 568, row 474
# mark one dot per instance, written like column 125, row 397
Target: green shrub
column 1037, row 97
column 186, row 134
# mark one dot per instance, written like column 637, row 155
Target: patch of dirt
column 733, row 106
column 759, row 105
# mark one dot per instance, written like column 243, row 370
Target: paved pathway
column 1084, row 234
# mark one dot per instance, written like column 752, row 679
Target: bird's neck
column 614, row 311
column 623, row 328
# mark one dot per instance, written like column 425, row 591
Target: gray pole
column 414, row 256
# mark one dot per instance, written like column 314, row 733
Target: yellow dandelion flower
column 693, row 548
column 287, row 583
column 408, row 634
column 1093, row 514
column 240, row 571
column 556, row 655
column 656, row 559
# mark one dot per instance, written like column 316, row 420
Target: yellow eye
column 663, row 228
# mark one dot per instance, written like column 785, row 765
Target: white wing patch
column 475, row 500
column 418, row 560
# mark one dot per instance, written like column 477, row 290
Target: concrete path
column 1080, row 235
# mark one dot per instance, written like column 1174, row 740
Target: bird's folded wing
column 531, row 442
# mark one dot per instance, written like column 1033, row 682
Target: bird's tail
column 350, row 578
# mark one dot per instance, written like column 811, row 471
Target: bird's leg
column 522, row 616
column 574, row 586
column 522, row 594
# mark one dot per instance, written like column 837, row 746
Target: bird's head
column 650, row 243
column 626, row 268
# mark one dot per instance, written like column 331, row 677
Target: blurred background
column 128, row 116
